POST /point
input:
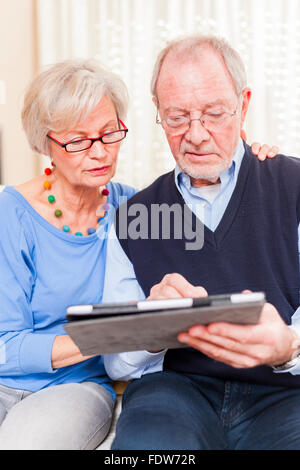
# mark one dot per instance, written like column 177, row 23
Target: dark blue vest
column 254, row 247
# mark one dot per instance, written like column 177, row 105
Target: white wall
column 126, row 35
column 17, row 67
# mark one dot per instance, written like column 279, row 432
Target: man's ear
column 246, row 93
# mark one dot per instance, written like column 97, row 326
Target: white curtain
column 126, row 35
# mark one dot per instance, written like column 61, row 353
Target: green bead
column 58, row 213
column 51, row 199
column 66, row 228
column 79, row 234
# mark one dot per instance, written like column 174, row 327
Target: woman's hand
column 261, row 151
column 65, row 352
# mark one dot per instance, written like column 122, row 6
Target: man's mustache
column 197, row 150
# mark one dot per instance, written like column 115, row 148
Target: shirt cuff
column 296, row 328
column 294, row 370
column 132, row 365
column 35, row 353
column 141, row 358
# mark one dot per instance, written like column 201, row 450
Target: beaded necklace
column 58, row 212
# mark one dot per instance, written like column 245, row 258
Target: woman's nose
column 97, row 149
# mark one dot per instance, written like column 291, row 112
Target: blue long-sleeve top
column 43, row 270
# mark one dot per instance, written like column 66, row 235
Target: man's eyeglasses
column 85, row 144
column 180, row 124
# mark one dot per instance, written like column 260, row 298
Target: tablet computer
column 154, row 324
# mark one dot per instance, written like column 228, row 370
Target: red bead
column 48, row 171
column 105, row 192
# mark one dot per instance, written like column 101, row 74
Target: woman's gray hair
column 188, row 47
column 66, row 93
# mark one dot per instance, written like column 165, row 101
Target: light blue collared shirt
column 211, row 212
column 121, row 284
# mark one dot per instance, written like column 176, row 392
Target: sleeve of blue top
column 25, row 351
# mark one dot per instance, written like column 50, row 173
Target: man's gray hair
column 188, row 47
column 66, row 93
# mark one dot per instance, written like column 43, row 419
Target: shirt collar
column 231, row 172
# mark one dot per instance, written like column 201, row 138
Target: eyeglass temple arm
column 125, row 127
column 56, row 141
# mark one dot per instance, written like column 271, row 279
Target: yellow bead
column 47, row 184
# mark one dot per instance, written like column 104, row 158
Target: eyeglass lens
column 84, row 144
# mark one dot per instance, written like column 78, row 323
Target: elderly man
column 233, row 387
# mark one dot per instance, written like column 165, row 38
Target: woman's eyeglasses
column 85, row 144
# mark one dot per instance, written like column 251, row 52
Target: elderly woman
column 52, row 255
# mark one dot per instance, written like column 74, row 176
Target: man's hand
column 270, row 342
column 261, row 151
column 174, row 286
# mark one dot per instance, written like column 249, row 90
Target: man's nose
column 197, row 133
column 97, row 149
